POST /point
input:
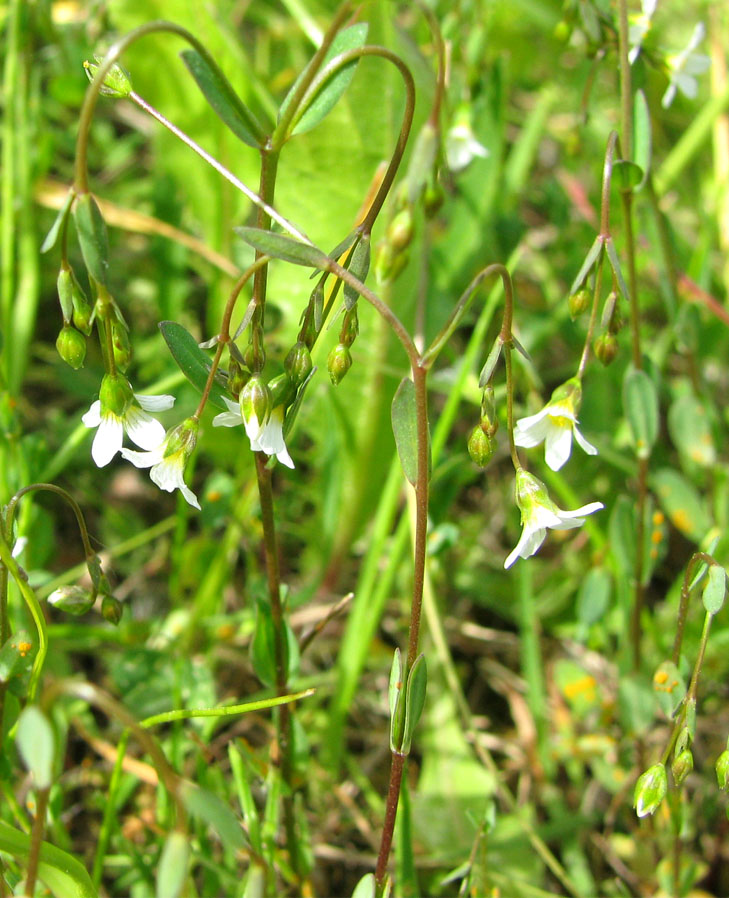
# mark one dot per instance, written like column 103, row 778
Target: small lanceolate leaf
column 36, row 744
column 365, row 888
column 590, row 260
column 218, row 92
column 295, row 406
column 715, row 589
column 628, row 175
column 396, row 702
column 640, row 403
column 172, row 867
column 404, row 426
column 192, row 361
column 351, row 38
column 52, row 236
column 415, row 699
column 642, row 138
column 210, row 809
column 280, row 247
column 669, row 687
column 615, row 265
column 681, row 502
column 491, row 362
column 359, row 266
column 91, row 230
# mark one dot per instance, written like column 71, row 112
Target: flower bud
column 399, row 232
column 578, row 303
column 388, row 263
column 650, row 790
column 65, row 294
column 117, row 82
column 83, row 313
column 71, row 346
column 298, row 363
column 121, row 344
column 282, row 390
column 722, row 770
column 255, row 405
column 72, row 599
column 111, row 609
column 489, row 421
column 480, row 447
column 606, row 348
column 350, row 327
column 433, row 197
column 115, row 394
column 238, row 377
column 339, row 362
column 682, row 765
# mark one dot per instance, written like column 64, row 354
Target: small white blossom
column 555, row 424
column 461, row 146
column 118, row 409
column 267, row 437
column 167, row 461
column 640, row 24
column 684, row 66
column 538, row 513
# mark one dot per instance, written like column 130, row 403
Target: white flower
column 118, row 409
column 267, row 437
column 683, row 66
column 640, row 24
column 461, row 146
column 168, row 460
column 538, row 512
column 555, row 424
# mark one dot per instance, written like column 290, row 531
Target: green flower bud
column 72, row 599
column 388, row 263
column 116, row 394
column 111, row 609
column 350, row 327
column 682, row 765
column 722, row 770
column 83, row 313
column 606, row 348
column 433, row 197
column 282, row 390
column 298, row 363
column 255, row 403
column 117, row 82
column 121, row 344
column 578, row 303
column 489, row 421
column 480, row 447
column 238, row 377
column 650, row 790
column 71, row 346
column 65, row 293
column 399, row 232
column 339, row 362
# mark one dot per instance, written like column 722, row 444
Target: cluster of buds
column 77, row 318
column 339, row 360
column 481, row 442
column 77, row 600
column 392, row 251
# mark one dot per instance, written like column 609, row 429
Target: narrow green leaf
column 52, row 236
column 642, row 138
column 172, row 868
column 60, row 871
column 593, row 598
column 669, row 687
column 218, row 91
column 279, row 247
column 323, row 102
column 365, row 888
column 682, row 503
column 491, row 362
column 715, row 589
column 294, row 408
column 615, row 265
column 640, row 404
column 263, row 646
column 359, row 266
column 92, row 237
column 397, row 705
column 36, row 743
column 211, row 810
column 404, row 426
column 415, row 699
column 590, row 260
column 192, row 361
column 245, row 797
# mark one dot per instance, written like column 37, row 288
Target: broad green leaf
column 52, row 236
column 415, row 699
column 91, row 231
column 715, row 589
column 351, row 38
column 590, row 260
column 218, row 92
column 640, row 404
column 636, row 703
column 172, row 868
column 211, row 810
column 690, row 431
column 365, row 888
column 36, row 743
column 404, row 426
column 628, row 174
column 359, row 266
column 280, row 247
column 642, row 138
column 60, row 871
column 669, row 687
column 593, row 598
column 682, row 503
column 263, row 651
column 192, row 361
column 622, row 529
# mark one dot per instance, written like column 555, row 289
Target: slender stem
column 225, row 711
column 388, row 826
column 626, row 93
column 52, row 488
column 639, row 591
column 420, row 379
column 36, row 839
column 684, row 602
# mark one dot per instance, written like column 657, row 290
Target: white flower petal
column 227, row 419
column 143, row 430
column 530, row 432
column 108, row 440
column 584, row 444
column 144, row 459
column 576, row 518
column 271, row 440
column 155, row 403
column 92, row 418
column 190, row 497
column 529, row 541
column 557, row 446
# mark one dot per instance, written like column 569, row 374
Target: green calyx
column 116, row 394
column 117, row 82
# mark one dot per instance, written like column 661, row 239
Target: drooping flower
column 555, row 424
column 640, row 24
column 650, row 790
column 538, row 513
column 118, row 409
column 167, row 461
column 684, row 66
column 461, row 146
column 267, row 437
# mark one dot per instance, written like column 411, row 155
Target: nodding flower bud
column 480, row 447
column 606, row 348
column 282, row 390
column 339, row 362
column 433, row 196
column 399, row 232
column 111, row 609
column 298, row 363
column 238, row 377
column 255, row 406
column 71, row 346
column 350, row 327
column 115, row 394
column 682, row 765
column 489, row 422
column 722, row 770
column 121, row 344
column 388, row 263
column 83, row 313
column 65, row 293
column 71, row 599
column 117, row 82
column 578, row 303
column 650, row 790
